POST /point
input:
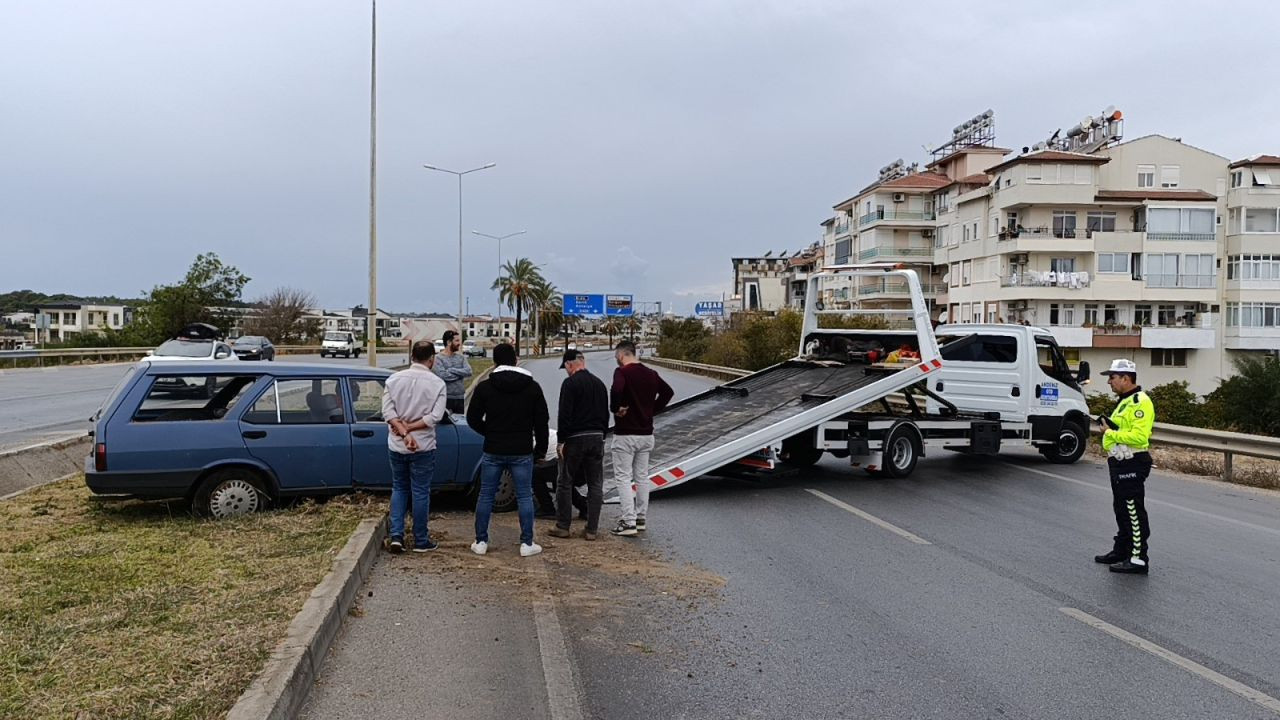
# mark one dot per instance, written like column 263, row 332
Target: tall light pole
column 370, row 323
column 459, row 174
column 499, row 238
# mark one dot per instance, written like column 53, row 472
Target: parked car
column 254, row 347
column 197, row 341
column 270, row 432
column 439, row 346
column 339, row 342
column 471, row 349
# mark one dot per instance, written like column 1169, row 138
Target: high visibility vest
column 1133, row 418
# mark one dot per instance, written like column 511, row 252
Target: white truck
column 983, row 389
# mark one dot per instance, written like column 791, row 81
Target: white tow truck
column 881, row 398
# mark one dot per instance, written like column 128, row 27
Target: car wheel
column 504, row 499
column 1071, row 444
column 357, row 354
column 230, row 493
column 901, row 452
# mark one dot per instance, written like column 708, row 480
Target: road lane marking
column 1169, row 656
column 869, row 517
column 1153, row 501
column 557, row 671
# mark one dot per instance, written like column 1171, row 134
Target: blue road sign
column 618, row 305
column 586, row 305
column 709, row 309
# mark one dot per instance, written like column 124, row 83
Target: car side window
column 366, row 398
column 174, row 398
column 309, row 401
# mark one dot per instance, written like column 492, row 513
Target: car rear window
column 185, row 348
column 119, row 387
column 174, row 398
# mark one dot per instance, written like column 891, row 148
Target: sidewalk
column 423, row 642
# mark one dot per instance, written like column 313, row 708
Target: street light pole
column 499, row 238
column 370, row 327
column 459, row 174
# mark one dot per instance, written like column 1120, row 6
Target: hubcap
column 233, row 497
column 506, row 492
column 901, row 452
column 1067, row 443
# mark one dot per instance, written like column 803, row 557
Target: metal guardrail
column 1227, row 443
column 120, row 352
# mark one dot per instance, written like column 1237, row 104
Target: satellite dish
column 1086, row 123
column 1111, row 110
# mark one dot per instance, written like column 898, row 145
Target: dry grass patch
column 139, row 610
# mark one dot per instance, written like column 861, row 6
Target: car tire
column 230, row 493
column 504, row 500
column 1070, row 446
column 901, row 452
column 357, row 354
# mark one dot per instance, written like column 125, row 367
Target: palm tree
column 632, row 325
column 545, row 296
column 515, row 288
column 611, row 328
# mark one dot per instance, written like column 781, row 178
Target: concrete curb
column 24, row 468
column 283, row 685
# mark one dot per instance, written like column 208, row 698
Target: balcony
column 1043, row 239
column 1178, row 337
column 1251, row 338
column 1180, row 236
column 896, row 216
column 1117, row 336
column 842, row 228
column 1060, row 280
column 1181, row 281
column 888, row 252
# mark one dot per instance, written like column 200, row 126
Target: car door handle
column 362, row 433
column 1038, row 391
column 1016, row 392
column 254, row 434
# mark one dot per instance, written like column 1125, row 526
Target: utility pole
column 371, row 322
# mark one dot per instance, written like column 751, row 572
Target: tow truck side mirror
column 1082, row 376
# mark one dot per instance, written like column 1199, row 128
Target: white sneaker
column 530, row 549
column 478, row 547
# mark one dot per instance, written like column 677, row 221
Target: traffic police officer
column 1125, row 438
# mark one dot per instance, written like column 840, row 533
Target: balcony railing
column 842, row 228
column 1197, row 237
column 890, row 251
column 1032, row 278
column 895, row 215
column 897, row 288
column 1181, row 281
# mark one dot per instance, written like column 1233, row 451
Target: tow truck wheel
column 1071, row 444
column 900, row 453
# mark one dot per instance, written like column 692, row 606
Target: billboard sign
column 709, row 309
column 618, row 305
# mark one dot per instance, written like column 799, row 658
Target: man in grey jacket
column 453, row 368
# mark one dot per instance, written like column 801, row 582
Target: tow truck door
column 984, row 371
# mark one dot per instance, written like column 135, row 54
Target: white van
column 339, row 342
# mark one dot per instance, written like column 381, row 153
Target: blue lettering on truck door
column 1049, row 394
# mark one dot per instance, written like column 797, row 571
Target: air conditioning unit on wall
column 899, row 197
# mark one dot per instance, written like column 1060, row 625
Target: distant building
column 66, row 320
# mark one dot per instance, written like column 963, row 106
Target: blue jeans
column 411, row 474
column 521, row 469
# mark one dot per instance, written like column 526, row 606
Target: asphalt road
column 43, row 404
column 965, row 591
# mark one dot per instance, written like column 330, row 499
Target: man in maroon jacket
column 637, row 395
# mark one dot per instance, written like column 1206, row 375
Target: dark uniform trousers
column 1128, row 478
column 583, row 463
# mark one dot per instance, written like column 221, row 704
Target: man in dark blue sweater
column 581, row 423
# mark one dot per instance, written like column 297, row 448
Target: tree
column 515, row 288
column 683, row 339
column 632, row 326
column 1247, row 401
column 545, row 298
column 282, row 316
column 209, row 287
column 611, row 328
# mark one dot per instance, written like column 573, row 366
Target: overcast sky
column 641, row 144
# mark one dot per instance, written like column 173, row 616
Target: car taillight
column 100, row 457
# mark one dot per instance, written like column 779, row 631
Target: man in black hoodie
column 509, row 410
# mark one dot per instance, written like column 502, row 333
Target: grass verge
column 139, row 610
column 1255, row 472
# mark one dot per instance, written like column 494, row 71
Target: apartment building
column 769, row 282
column 63, row 321
column 1251, row 293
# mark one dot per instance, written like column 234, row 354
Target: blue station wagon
column 266, row 433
